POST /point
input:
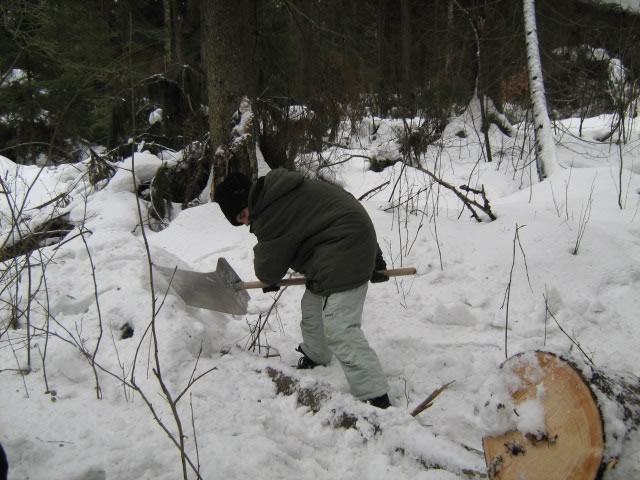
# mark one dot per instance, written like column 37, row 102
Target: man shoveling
column 320, row 230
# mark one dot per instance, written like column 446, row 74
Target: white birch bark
column 545, row 150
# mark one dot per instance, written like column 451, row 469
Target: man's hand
column 377, row 277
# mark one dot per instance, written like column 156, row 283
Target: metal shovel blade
column 210, row 290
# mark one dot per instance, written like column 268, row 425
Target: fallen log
column 557, row 429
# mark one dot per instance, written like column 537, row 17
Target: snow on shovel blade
column 210, row 290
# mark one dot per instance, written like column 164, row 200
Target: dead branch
column 507, row 293
column 469, row 203
column 429, row 400
column 373, row 190
column 575, row 342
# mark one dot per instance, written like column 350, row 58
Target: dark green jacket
column 312, row 227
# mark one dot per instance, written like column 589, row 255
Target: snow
column 155, row 116
column 445, row 323
column 631, row 5
column 15, row 75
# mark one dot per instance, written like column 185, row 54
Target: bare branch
column 428, row 402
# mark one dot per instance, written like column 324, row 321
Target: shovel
column 224, row 291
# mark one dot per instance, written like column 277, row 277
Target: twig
column 75, row 344
column 577, row 344
column 99, row 312
column 585, row 215
column 374, row 189
column 195, row 434
column 46, row 335
column 428, row 402
column 507, row 293
column 193, row 379
column 261, row 324
column 467, row 202
column 437, row 239
column 20, row 369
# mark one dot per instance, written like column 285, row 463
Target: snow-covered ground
column 445, row 323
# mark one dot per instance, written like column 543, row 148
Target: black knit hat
column 233, row 195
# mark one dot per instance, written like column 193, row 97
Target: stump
column 572, row 445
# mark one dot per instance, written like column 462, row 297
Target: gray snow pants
column 331, row 326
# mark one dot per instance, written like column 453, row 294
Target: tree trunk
column 545, row 148
column 173, row 19
column 168, row 30
column 306, row 40
column 177, row 19
column 405, row 7
column 228, row 51
column 563, row 435
column 383, row 52
column 449, row 36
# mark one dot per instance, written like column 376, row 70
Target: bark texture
column 545, row 148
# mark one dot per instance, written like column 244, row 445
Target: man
column 323, row 232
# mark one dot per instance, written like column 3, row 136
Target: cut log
column 571, row 447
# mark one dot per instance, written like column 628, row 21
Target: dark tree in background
column 75, row 79
column 64, row 64
column 229, row 39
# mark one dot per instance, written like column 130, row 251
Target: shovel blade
column 209, row 290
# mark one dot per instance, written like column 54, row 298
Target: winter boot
column 381, row 402
column 304, row 362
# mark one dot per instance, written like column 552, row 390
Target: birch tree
column 544, row 147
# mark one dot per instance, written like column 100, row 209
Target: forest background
column 97, row 73
column 85, row 85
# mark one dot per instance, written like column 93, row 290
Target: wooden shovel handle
column 396, row 272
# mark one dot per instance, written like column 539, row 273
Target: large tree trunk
column 406, row 40
column 228, row 51
column 173, row 22
column 449, row 36
column 384, row 76
column 545, row 148
column 555, row 435
column 168, row 30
